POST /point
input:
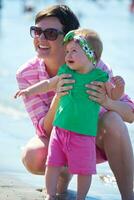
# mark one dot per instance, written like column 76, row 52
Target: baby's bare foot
column 61, row 196
column 50, row 197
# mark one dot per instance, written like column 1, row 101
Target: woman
column 112, row 143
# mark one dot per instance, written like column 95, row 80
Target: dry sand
column 13, row 189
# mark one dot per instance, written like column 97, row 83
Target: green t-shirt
column 75, row 111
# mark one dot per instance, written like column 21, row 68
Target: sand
column 13, row 189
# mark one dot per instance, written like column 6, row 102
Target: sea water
column 115, row 25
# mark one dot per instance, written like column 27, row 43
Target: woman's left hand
column 63, row 85
column 97, row 92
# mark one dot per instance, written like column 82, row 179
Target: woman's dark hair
column 65, row 15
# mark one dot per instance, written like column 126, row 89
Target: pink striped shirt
column 37, row 106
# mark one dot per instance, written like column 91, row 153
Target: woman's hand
column 97, row 92
column 62, row 87
column 100, row 96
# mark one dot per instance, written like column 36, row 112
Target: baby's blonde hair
column 93, row 39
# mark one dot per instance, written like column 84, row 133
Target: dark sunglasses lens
column 35, row 32
column 51, row 34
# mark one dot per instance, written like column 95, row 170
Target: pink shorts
column 100, row 156
column 70, row 149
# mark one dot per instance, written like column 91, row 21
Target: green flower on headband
column 68, row 37
column 83, row 44
column 88, row 51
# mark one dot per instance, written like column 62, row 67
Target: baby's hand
column 23, row 92
column 119, row 82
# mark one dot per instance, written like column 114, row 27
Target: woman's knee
column 34, row 157
column 112, row 122
column 111, row 128
column 34, row 160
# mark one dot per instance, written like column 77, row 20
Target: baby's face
column 75, row 57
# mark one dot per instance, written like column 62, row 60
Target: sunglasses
column 49, row 33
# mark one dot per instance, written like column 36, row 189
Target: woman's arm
column 123, row 108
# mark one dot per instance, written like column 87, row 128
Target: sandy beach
column 12, row 189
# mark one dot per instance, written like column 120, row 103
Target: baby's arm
column 115, row 92
column 38, row 88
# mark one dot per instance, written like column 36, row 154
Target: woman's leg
column 63, row 181
column 83, row 186
column 34, row 158
column 113, row 139
column 34, row 155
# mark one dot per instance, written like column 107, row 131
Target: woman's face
column 45, row 48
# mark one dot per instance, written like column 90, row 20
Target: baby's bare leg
column 51, row 177
column 34, row 158
column 83, row 186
